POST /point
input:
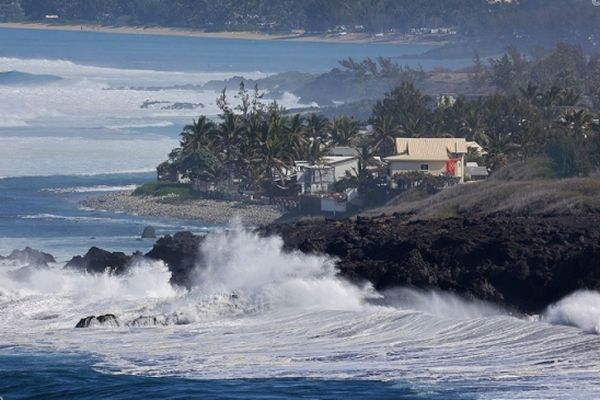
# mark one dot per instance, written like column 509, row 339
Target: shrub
column 568, row 160
column 164, row 189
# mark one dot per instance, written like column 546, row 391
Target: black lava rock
column 110, row 320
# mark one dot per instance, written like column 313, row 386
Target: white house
column 320, row 177
column 435, row 156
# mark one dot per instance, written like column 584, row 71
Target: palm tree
column 230, row 137
column 196, row 135
column 530, row 93
column 316, row 125
column 498, row 146
column 343, row 130
column 385, row 131
column 576, row 124
column 295, row 136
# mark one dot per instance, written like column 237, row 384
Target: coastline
column 209, row 211
column 350, row 38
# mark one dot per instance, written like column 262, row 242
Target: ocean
column 260, row 322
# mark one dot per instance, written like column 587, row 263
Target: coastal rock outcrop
column 149, row 233
column 523, row 262
column 29, row 256
column 180, row 253
column 519, row 261
column 98, row 261
column 145, row 321
column 106, row 320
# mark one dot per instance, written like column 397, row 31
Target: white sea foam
column 159, row 124
column 258, row 311
column 43, row 156
column 68, row 69
column 76, row 125
column 244, row 263
column 91, row 189
column 581, row 309
column 441, row 304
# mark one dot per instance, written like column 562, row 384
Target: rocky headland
column 521, row 262
column 519, row 241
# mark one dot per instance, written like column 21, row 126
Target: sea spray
column 244, row 263
column 580, row 309
column 441, row 304
column 143, row 280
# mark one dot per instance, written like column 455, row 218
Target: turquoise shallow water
column 71, row 376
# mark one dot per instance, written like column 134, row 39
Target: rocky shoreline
column 209, row 211
column 521, row 262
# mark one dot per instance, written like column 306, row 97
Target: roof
column 428, row 149
column 326, row 162
column 344, row 151
column 477, row 171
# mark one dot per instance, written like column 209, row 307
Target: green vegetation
column 253, row 147
column 164, row 189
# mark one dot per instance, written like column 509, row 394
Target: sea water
column 259, row 322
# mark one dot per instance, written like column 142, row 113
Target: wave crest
column 580, row 309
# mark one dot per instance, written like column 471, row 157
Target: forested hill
column 551, row 20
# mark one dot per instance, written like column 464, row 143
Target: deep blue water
column 176, row 53
column 71, row 376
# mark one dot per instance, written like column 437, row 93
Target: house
column 435, row 156
column 475, row 172
column 321, row 177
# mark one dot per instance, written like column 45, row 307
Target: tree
column 196, row 135
column 201, row 165
column 385, row 132
column 498, row 147
column 408, row 109
column 343, row 130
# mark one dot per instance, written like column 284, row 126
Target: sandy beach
column 165, row 31
column 208, row 211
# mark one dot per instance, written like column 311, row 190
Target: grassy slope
column 519, row 189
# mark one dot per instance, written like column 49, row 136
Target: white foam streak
column 92, row 189
column 440, row 304
column 70, row 69
column 35, row 156
column 259, row 311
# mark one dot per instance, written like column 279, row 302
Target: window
column 424, row 167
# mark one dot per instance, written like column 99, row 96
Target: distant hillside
column 505, row 21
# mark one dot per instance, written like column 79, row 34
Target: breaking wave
column 260, row 311
column 581, row 309
column 92, row 189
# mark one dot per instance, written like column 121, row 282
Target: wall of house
column 341, row 168
column 331, row 205
column 435, row 167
